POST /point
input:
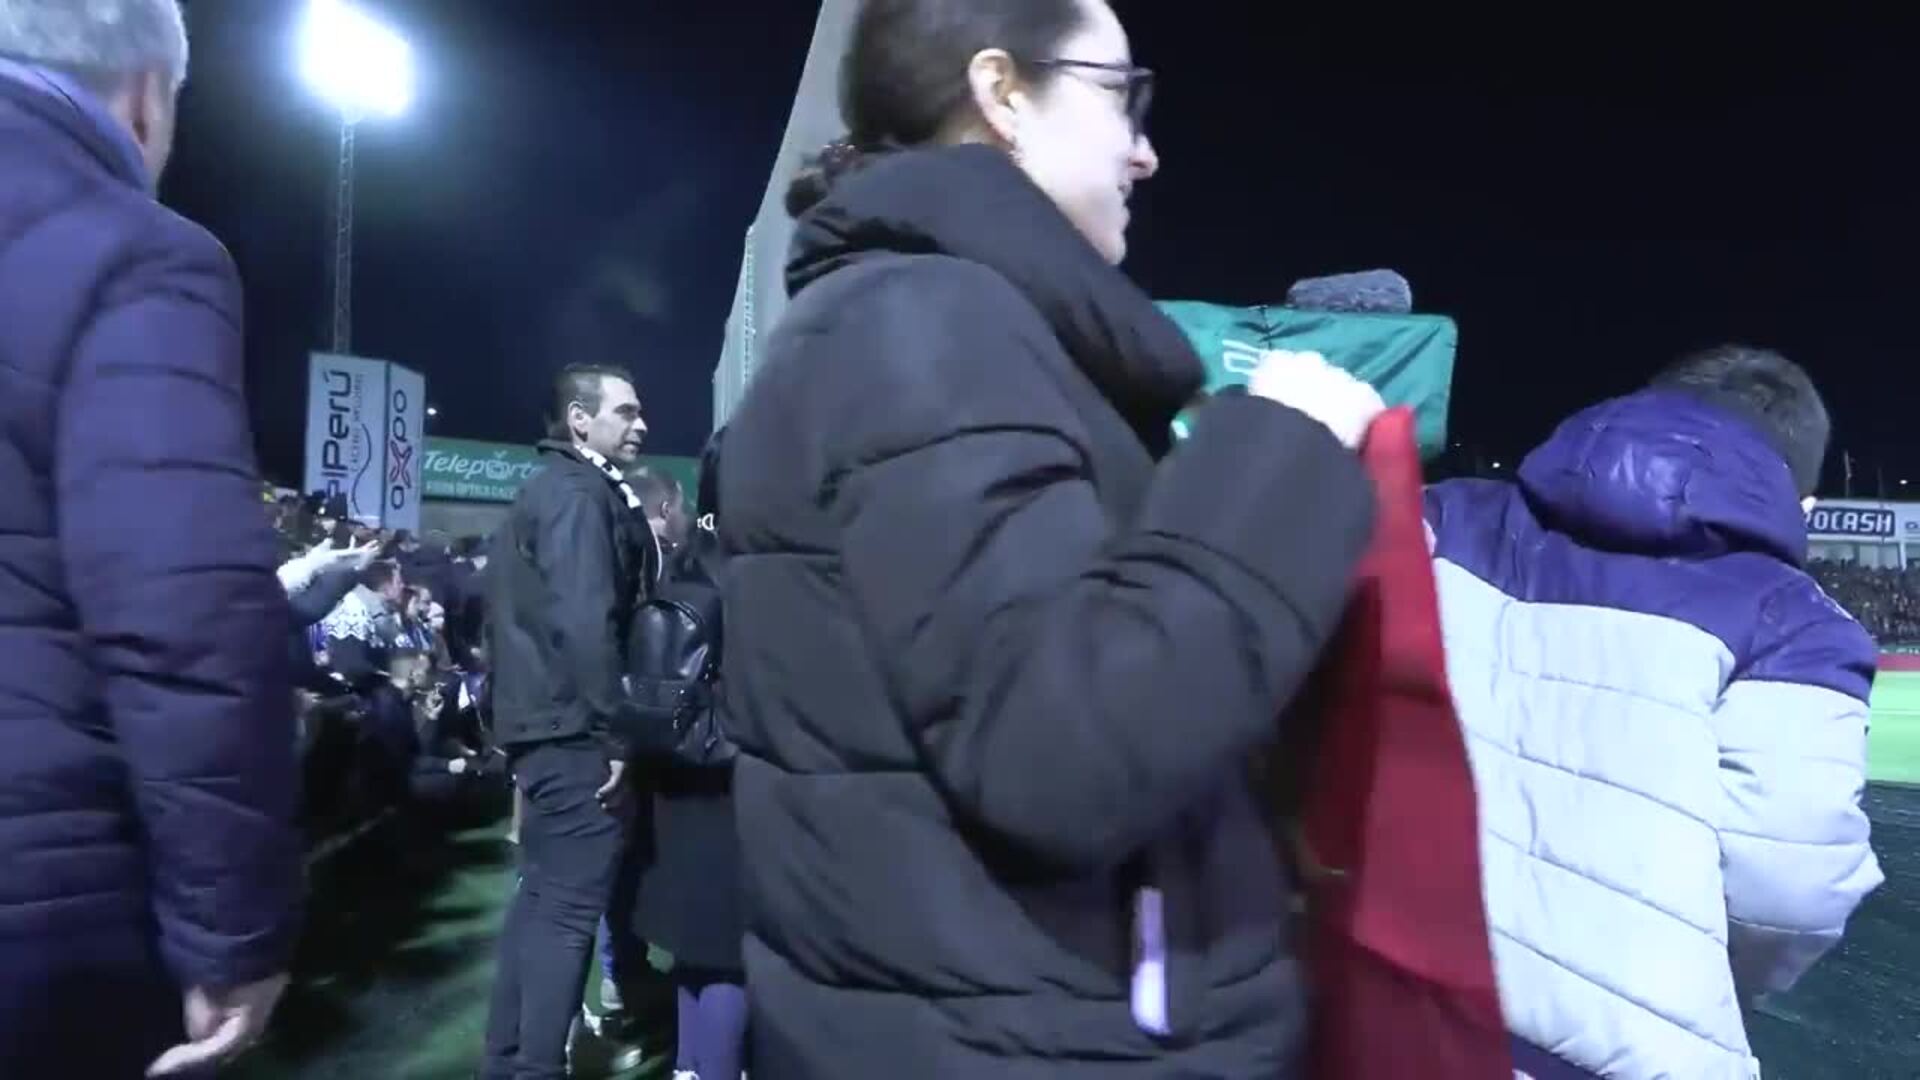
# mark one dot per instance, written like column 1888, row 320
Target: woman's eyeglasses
column 1138, row 87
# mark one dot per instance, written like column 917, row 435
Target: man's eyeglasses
column 1138, row 86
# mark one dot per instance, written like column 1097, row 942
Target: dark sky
column 1587, row 200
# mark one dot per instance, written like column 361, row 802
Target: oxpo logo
column 400, row 447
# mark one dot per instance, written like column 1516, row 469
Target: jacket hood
column 1664, row 474
column 971, row 202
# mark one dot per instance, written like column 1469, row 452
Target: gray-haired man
column 147, row 770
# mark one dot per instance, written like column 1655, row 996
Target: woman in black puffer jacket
column 997, row 653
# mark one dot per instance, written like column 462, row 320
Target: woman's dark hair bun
column 817, row 176
column 903, row 80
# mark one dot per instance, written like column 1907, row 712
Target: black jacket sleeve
column 577, row 555
column 1075, row 683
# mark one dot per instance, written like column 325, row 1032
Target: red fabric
column 1398, row 946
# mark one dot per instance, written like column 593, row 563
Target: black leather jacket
column 565, row 573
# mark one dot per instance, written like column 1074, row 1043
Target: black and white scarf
column 599, row 461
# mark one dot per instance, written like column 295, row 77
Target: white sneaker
column 685, row 1074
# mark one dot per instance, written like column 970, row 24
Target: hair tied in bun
column 835, row 160
column 840, row 156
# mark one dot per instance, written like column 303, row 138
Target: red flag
column 1397, row 948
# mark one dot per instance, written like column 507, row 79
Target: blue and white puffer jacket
column 1667, row 719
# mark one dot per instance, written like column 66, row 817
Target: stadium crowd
column 390, row 669
column 1886, row 600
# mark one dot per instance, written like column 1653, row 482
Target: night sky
column 1586, row 199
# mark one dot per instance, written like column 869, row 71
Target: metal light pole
column 342, row 337
column 361, row 68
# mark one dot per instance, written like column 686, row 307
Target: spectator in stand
column 424, row 561
column 360, row 630
column 316, row 583
column 1886, row 600
column 328, row 515
column 318, row 580
column 147, row 771
column 465, row 602
column 413, row 739
column 1667, row 719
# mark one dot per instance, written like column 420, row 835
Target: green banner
column 468, row 470
column 1408, row 358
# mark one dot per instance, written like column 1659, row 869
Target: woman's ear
column 997, row 94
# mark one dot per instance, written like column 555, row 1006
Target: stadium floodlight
column 354, row 62
column 361, row 68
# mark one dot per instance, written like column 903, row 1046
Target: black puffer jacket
column 997, row 657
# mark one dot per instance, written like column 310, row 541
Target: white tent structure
column 761, row 294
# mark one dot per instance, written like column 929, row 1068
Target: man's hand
column 221, row 1025
column 612, row 792
column 356, row 554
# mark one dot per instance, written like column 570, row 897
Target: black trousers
column 571, row 850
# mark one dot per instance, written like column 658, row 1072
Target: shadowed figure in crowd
column 147, row 770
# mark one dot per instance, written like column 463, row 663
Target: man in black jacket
column 566, row 570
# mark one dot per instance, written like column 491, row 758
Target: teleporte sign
column 471, row 471
column 468, row 470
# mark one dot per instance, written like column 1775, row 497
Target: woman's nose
column 1146, row 160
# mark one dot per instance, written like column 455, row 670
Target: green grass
column 394, row 969
column 395, row 966
column 1893, row 749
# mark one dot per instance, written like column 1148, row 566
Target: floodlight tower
column 361, row 68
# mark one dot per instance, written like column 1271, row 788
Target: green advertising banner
column 468, row 470
column 1408, row 358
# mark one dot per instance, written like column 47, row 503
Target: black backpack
column 674, row 661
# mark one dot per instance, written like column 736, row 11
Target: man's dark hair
column 379, row 574
column 1767, row 390
column 904, row 77
column 584, row 383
